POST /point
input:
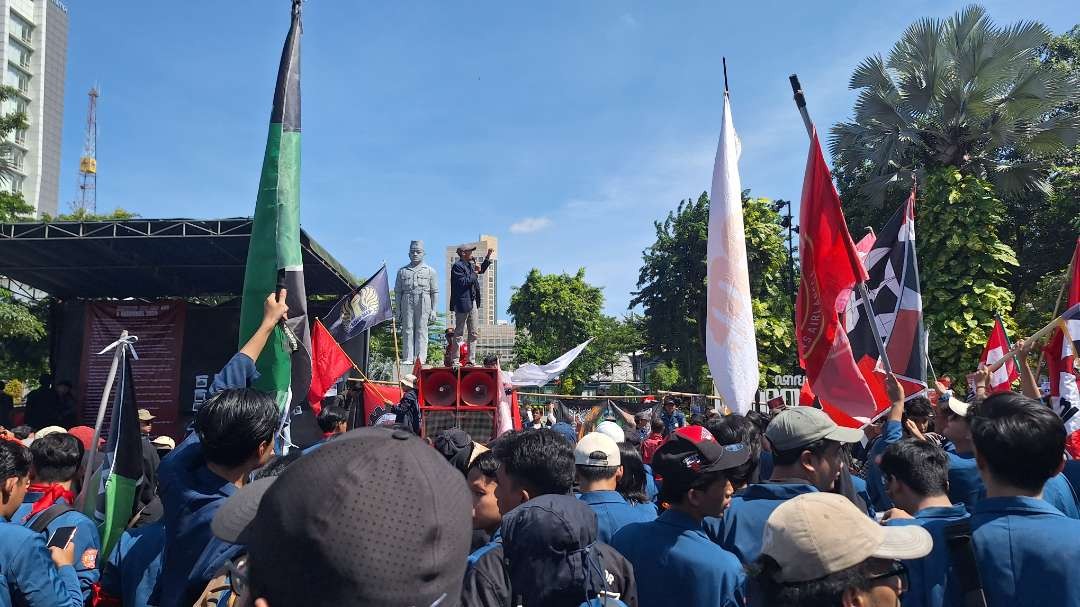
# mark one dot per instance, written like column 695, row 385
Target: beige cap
column 816, row 534
column 409, row 381
column 958, row 407
column 47, row 430
column 477, row 449
column 799, row 426
column 611, row 429
column 596, row 449
column 164, row 442
column 145, row 415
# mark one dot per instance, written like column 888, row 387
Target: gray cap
column 416, row 243
column 799, row 426
column 466, row 247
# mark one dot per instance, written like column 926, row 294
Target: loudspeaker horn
column 439, row 388
column 479, row 388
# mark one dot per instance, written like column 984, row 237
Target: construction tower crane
column 87, row 197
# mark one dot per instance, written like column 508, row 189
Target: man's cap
column 234, row 517
column 566, row 431
column 409, row 381
column 692, row 451
column 375, row 517
column 47, row 430
column 85, row 434
column 598, row 450
column 958, row 406
column 416, row 243
column 611, row 429
column 456, row 446
column 645, row 415
column 477, row 450
column 799, row 426
column 466, row 247
column 817, row 534
column 164, row 442
column 146, row 416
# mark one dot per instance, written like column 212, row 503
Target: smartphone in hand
column 61, row 537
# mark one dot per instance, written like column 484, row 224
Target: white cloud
column 529, row 225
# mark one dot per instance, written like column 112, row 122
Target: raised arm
column 1029, row 384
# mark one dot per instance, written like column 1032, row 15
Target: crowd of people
column 944, row 502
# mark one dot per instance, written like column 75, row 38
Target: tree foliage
column 672, row 288
column 555, row 312
column 664, row 376
column 963, row 265
column 961, row 92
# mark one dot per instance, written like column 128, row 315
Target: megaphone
column 438, row 388
column 479, row 388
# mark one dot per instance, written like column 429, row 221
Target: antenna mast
column 87, row 197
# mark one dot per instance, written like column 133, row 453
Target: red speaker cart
column 462, row 397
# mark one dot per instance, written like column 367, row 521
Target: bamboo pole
column 1057, row 304
column 120, row 352
column 1041, row 333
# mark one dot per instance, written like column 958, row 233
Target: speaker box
column 465, row 398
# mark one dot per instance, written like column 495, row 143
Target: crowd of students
column 950, row 503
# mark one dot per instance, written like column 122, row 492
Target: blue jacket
column 676, row 564
column 1058, row 491
column 613, row 513
column 465, row 286
column 875, row 483
column 930, row 576
column 861, row 490
column 1072, row 474
column 650, row 484
column 191, row 494
column 1027, row 553
column 87, row 540
column 30, row 577
column 673, row 421
column 965, row 484
column 134, row 565
column 739, row 531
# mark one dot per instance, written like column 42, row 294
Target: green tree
column 672, row 288
column 84, row 215
column 962, row 93
column 555, row 312
column 13, row 207
column 664, row 376
column 963, row 267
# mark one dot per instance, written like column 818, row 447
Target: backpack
column 49, row 515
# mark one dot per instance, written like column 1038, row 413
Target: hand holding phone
column 61, row 548
column 61, row 537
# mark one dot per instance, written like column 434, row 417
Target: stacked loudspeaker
column 464, row 397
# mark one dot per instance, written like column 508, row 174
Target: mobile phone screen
column 61, row 537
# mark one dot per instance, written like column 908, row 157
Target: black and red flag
column 1061, row 365
column 896, row 298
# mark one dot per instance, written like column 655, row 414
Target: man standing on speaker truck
column 465, row 295
column 407, row 411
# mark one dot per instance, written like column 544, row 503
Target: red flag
column 830, row 267
column 1061, row 367
column 328, row 363
column 997, row 344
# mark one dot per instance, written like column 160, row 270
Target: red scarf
column 49, row 495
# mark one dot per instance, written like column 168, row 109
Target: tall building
column 496, row 336
column 35, row 54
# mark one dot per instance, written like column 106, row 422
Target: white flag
column 730, row 343
column 532, row 374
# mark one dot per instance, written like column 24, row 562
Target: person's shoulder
column 11, row 534
column 631, row 533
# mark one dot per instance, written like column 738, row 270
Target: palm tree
column 958, row 92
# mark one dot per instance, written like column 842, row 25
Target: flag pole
column 121, row 350
column 1057, row 304
column 1041, row 333
column 800, row 102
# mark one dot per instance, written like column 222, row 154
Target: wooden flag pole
column 121, row 349
column 1041, row 333
column 800, row 102
column 1057, row 305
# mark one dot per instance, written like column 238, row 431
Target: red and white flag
column 830, row 267
column 730, row 342
column 997, row 344
column 328, row 363
column 1061, row 366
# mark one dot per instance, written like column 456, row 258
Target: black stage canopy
column 148, row 258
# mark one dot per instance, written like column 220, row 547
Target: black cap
column 692, row 451
column 376, row 517
column 456, row 446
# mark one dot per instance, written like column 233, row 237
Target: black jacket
column 549, row 557
column 465, row 286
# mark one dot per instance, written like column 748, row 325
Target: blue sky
column 565, row 128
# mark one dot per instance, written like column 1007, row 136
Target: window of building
column 22, row 106
column 18, row 159
column 24, row 58
column 20, row 136
column 17, row 184
column 24, row 83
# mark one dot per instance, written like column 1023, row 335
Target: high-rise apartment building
column 35, row 57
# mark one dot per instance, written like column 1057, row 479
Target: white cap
column 958, row 407
column 596, row 449
column 817, row 534
column 611, row 429
column 47, row 430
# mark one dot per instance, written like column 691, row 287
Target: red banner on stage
column 160, row 329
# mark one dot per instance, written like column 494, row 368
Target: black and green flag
column 274, row 258
column 122, row 469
